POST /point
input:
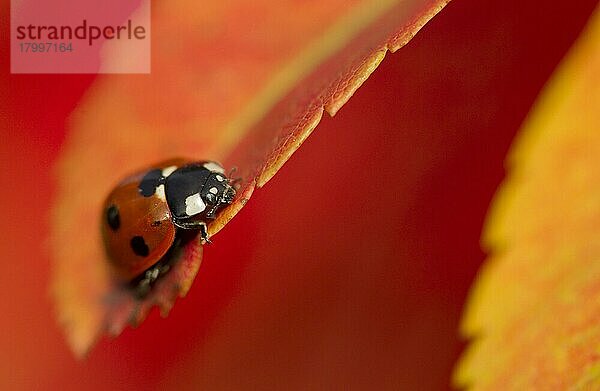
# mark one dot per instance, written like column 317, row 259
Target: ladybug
column 148, row 213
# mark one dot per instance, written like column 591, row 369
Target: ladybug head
column 228, row 195
column 217, row 192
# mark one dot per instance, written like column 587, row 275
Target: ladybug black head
column 229, row 195
column 217, row 192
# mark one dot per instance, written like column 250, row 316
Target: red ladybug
column 147, row 212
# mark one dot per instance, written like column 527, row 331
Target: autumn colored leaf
column 534, row 311
column 243, row 84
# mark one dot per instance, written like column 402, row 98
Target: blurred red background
column 349, row 270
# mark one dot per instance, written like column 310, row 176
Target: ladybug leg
column 204, row 232
column 143, row 286
column 199, row 225
column 212, row 212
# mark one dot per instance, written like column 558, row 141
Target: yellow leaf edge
column 497, row 228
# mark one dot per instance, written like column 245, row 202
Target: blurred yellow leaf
column 535, row 309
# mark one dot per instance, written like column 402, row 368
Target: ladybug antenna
column 235, row 182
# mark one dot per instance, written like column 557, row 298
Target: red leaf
column 244, row 85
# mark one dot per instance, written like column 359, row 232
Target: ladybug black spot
column 113, row 218
column 156, row 223
column 150, row 182
column 139, row 246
